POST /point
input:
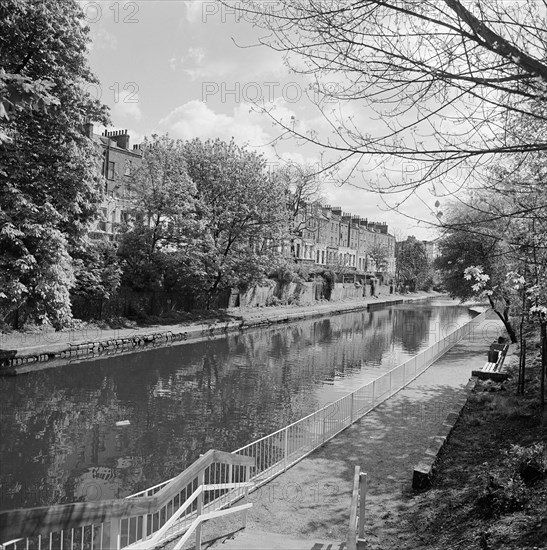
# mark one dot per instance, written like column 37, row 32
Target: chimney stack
column 121, row 137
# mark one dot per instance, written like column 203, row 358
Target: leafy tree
column 442, row 76
column 19, row 92
column 49, row 171
column 457, row 251
column 241, row 213
column 302, row 188
column 480, row 248
column 97, row 271
column 412, row 266
column 379, row 254
column 163, row 219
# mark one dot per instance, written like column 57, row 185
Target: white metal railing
column 282, row 449
column 133, row 521
column 142, row 521
column 356, row 531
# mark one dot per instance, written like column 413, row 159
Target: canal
column 108, row 427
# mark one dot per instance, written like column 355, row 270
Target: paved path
column 310, row 502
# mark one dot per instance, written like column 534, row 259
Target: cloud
column 102, row 40
column 127, row 105
column 194, row 11
column 193, row 58
column 197, row 55
column 195, row 119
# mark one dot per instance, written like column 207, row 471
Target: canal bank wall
column 22, row 353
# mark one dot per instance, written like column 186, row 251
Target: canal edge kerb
column 424, row 471
column 22, row 360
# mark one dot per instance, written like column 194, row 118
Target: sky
column 192, row 69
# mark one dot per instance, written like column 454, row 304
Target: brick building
column 342, row 241
column 119, row 161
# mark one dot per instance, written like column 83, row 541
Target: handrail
column 30, row 522
column 174, row 518
column 201, row 489
column 205, row 517
column 356, row 530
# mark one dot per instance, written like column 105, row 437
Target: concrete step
column 260, row 540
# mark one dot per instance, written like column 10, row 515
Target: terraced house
column 119, row 162
column 331, row 238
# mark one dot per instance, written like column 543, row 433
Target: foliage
column 49, row 171
column 329, row 276
column 154, row 244
column 284, row 274
column 379, row 254
column 477, row 260
column 97, row 269
column 241, row 215
column 18, row 92
column 529, row 462
column 459, row 250
column 504, row 486
column 412, row 266
column 502, row 492
column 302, row 188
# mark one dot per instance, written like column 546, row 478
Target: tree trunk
column 522, row 358
column 543, row 363
column 504, row 316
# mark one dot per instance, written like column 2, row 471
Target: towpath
column 307, row 507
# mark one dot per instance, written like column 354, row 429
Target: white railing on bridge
column 133, row 522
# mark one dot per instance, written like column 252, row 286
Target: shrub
column 501, row 492
column 529, row 462
column 504, row 487
column 272, row 301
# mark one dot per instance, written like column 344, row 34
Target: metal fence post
column 286, row 448
column 362, row 501
column 201, row 482
column 247, row 479
column 114, row 534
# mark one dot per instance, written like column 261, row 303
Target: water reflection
column 109, row 427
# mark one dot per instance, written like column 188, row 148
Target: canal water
column 108, row 427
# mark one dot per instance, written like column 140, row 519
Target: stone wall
column 301, row 293
column 305, row 293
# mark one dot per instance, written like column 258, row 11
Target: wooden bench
column 492, row 370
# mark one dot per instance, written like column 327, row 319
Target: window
column 128, row 166
column 111, row 170
column 102, row 222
